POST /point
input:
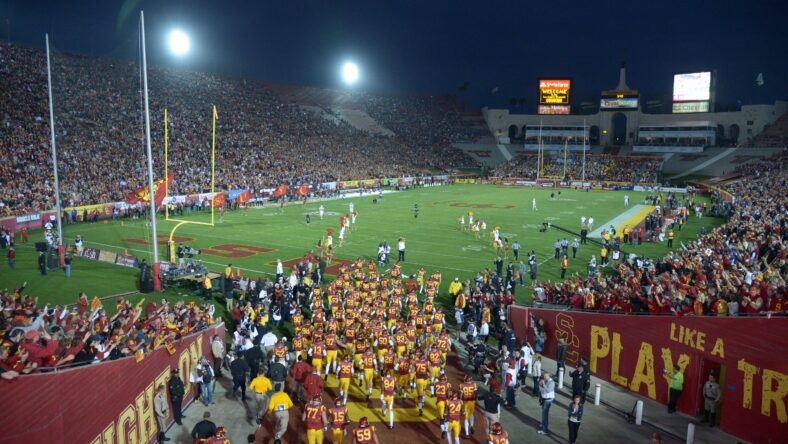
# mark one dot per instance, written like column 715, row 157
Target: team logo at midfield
column 325, row 213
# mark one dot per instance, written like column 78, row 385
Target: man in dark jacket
column 42, row 263
column 560, row 355
column 204, row 429
column 581, row 381
column 238, row 369
column 253, row 357
column 176, row 395
column 277, row 372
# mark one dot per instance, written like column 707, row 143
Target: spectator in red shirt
column 299, row 372
column 313, row 384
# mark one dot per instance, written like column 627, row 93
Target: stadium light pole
column 539, row 153
column 54, row 152
column 585, row 139
column 151, row 191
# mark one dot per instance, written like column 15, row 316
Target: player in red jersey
column 453, row 414
column 316, row 420
column 339, row 421
column 218, row 437
column 498, row 436
column 468, row 394
column 365, row 433
column 442, row 389
column 388, row 386
column 370, row 367
column 420, row 368
column 344, row 373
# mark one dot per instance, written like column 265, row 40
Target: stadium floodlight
column 350, row 73
column 179, row 42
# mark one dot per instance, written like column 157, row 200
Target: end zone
column 632, row 218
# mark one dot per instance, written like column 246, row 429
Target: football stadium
column 211, row 241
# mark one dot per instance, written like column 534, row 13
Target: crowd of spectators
column 262, row 139
column 598, row 167
column 736, row 268
column 36, row 339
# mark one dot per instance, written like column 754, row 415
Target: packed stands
column 264, row 137
column 737, row 268
column 43, row 338
column 598, row 167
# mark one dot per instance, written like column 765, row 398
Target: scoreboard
column 693, row 92
column 553, row 96
column 619, row 100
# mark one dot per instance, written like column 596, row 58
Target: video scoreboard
column 553, row 96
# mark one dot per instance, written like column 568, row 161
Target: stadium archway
column 733, row 133
column 593, row 135
column 512, row 132
column 619, row 125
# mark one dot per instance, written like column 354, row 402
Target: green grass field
column 433, row 239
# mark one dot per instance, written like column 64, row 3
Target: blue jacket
column 576, row 415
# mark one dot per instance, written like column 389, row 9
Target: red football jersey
column 453, row 409
column 314, row 415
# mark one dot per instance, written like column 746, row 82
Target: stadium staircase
column 361, row 121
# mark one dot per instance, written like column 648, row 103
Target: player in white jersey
column 626, row 200
column 533, row 204
column 590, row 224
column 462, row 223
column 353, row 215
column 322, row 211
column 341, row 236
column 351, row 207
column 582, row 221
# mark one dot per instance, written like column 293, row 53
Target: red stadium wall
column 749, row 354
column 105, row 403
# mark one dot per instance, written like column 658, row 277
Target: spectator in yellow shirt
column 280, row 405
column 261, row 386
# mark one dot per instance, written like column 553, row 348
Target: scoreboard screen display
column 694, row 86
column 553, row 109
column 619, row 100
column 554, row 91
column 691, row 107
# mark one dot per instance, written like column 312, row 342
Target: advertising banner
column 27, row 218
column 126, row 260
column 90, row 253
column 632, row 351
column 110, row 402
column 107, row 256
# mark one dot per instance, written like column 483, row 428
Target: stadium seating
column 738, row 267
column 266, row 134
column 598, row 167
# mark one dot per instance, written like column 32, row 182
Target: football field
column 253, row 242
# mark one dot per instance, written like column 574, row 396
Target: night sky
column 433, row 47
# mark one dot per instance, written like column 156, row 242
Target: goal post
column 180, row 222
